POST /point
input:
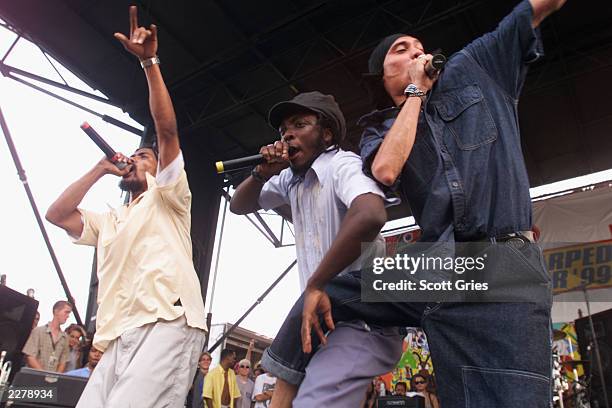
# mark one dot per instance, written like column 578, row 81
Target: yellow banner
column 588, row 264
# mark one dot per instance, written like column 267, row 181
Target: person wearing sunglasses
column 418, row 384
column 245, row 384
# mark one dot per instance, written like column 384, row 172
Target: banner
column 415, row 359
column 580, row 265
column 567, row 349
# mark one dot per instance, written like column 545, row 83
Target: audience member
column 47, row 348
column 418, row 384
column 245, row 384
column 220, row 388
column 76, row 340
column 258, row 371
column 36, row 320
column 263, row 390
column 93, row 357
column 400, row 389
column 198, row 385
column 370, row 396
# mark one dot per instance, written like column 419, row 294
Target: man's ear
column 328, row 137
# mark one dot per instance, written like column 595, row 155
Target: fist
column 417, row 74
column 276, row 156
column 108, row 166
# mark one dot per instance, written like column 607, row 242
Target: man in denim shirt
column 465, row 181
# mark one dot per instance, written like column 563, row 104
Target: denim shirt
column 466, row 169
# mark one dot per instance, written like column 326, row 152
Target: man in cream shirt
column 150, row 320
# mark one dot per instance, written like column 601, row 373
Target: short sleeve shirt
column 41, row 346
column 319, row 201
column 145, row 258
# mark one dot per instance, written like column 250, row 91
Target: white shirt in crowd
column 264, row 382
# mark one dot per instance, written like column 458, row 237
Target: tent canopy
column 226, row 63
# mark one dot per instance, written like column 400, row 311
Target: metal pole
column 257, row 302
column 596, row 345
column 212, row 291
column 26, row 186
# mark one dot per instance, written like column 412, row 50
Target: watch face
column 411, row 89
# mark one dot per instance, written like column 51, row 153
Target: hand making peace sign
column 142, row 42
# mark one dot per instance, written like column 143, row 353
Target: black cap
column 377, row 57
column 316, row 102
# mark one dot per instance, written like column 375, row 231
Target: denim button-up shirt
column 466, row 167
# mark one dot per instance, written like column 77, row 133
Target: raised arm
column 397, row 145
column 249, row 352
column 63, row 212
column 544, row 8
column 143, row 44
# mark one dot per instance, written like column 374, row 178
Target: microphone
column 105, row 147
column 433, row 67
column 240, row 163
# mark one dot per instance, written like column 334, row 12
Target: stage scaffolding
column 35, row 81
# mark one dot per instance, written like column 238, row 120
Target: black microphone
column 105, row 147
column 236, row 164
column 433, row 67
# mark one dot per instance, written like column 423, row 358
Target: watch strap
column 147, row 62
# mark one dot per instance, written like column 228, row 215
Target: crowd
column 421, row 386
column 231, row 384
column 69, row 351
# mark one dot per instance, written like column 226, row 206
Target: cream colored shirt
column 145, row 258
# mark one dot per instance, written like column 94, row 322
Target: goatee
column 131, row 186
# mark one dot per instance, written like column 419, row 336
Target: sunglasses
column 420, row 382
column 243, row 366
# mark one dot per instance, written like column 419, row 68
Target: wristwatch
column 413, row 90
column 145, row 63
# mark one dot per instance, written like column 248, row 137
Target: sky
column 55, row 152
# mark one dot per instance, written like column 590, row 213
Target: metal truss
column 30, row 79
column 263, row 226
column 205, row 117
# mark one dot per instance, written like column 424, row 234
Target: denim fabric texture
column 465, row 180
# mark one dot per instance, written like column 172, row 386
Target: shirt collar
column 378, row 116
column 48, row 330
column 320, row 167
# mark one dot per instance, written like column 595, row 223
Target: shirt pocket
column 466, row 115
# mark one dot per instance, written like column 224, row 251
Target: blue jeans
column 485, row 355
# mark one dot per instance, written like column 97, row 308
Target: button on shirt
column 145, row 258
column 319, row 201
column 466, row 168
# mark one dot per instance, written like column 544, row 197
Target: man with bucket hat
column 334, row 208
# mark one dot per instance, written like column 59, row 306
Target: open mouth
column 132, row 170
column 293, row 151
